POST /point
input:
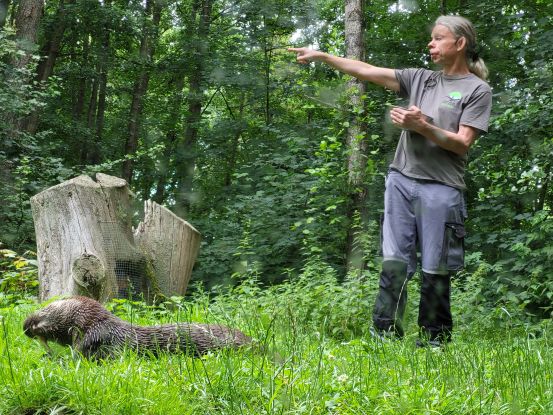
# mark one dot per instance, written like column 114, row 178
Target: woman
column 424, row 202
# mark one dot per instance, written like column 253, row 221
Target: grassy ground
column 300, row 369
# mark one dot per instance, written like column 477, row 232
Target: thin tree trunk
column 268, row 115
column 97, row 106
column 149, row 36
column 188, row 163
column 4, row 6
column 356, row 142
column 267, row 62
column 90, row 120
column 187, row 152
column 51, row 48
column 92, row 104
column 80, row 95
column 170, row 137
column 233, row 155
column 542, row 195
column 103, row 80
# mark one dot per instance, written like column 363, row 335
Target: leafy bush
column 18, row 277
column 522, row 278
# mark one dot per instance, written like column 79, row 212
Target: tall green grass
column 309, row 358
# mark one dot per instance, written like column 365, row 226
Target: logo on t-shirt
column 452, row 99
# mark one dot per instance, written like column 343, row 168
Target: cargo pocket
column 453, row 248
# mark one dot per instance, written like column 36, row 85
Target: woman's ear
column 461, row 43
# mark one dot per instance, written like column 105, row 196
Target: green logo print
column 455, row 95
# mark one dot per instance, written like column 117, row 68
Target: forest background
column 197, row 104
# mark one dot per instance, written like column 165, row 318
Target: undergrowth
column 312, row 355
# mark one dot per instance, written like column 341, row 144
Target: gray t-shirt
column 449, row 101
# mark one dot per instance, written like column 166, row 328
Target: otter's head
column 62, row 320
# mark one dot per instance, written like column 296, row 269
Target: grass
column 301, row 365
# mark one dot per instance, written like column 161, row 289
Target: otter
column 88, row 327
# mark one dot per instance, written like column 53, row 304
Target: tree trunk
column 86, row 145
column 49, row 54
column 170, row 137
column 356, row 140
column 149, row 36
column 27, row 20
column 80, row 95
column 51, row 48
column 267, row 57
column 103, row 65
column 233, row 154
column 187, row 151
column 542, row 194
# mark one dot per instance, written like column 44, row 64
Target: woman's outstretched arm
column 385, row 77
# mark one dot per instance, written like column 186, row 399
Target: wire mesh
column 126, row 262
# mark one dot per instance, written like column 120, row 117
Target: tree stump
column 86, row 245
column 171, row 246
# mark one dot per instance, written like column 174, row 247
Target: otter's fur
column 92, row 330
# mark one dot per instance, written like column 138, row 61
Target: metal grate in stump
column 125, row 261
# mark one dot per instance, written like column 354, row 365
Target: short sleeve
column 478, row 109
column 411, row 80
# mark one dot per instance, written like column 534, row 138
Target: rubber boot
column 391, row 300
column 435, row 320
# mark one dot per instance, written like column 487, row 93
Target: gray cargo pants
column 430, row 216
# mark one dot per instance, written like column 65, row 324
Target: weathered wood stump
column 86, row 245
column 162, row 236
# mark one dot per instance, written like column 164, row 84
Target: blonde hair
column 462, row 27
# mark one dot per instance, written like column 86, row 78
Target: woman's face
column 444, row 46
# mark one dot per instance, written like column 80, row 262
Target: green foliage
column 520, row 279
column 18, row 277
column 512, row 214
column 340, row 310
column 325, row 207
column 24, row 168
column 313, row 295
column 18, row 96
column 275, row 201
